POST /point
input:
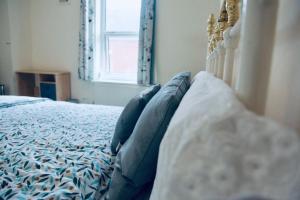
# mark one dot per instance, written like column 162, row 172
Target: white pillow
column 214, row 149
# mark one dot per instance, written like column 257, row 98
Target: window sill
column 118, row 82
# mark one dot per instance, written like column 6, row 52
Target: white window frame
column 102, row 61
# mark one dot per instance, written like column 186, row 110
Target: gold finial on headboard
column 215, row 37
column 212, row 43
column 217, row 33
column 211, row 22
column 232, row 7
column 223, row 20
column 210, row 30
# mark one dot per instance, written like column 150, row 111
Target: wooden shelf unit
column 50, row 84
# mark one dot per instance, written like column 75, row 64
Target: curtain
column 146, row 42
column 87, row 39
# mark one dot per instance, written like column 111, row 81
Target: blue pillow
column 129, row 117
column 137, row 160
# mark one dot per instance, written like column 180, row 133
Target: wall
column 20, row 33
column 284, row 90
column 181, row 38
column 15, row 40
column 55, row 31
column 180, row 43
column 5, row 50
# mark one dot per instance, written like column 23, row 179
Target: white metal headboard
column 240, row 48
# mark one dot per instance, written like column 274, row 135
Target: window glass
column 123, row 15
column 118, row 35
column 122, row 54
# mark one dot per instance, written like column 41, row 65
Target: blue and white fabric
column 55, row 150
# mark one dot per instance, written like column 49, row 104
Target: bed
column 54, row 149
column 219, row 144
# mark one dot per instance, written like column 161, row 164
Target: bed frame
column 240, row 48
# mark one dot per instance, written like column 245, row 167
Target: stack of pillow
column 137, row 137
column 129, row 117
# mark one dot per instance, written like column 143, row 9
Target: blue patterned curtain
column 87, row 38
column 146, row 40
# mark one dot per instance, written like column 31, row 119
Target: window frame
column 103, row 64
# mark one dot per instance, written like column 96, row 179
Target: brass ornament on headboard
column 217, row 33
column 210, row 30
column 211, row 23
column 232, row 7
column 223, row 20
column 229, row 14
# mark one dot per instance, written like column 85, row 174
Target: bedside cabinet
column 50, row 84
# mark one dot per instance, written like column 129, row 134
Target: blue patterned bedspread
column 55, row 150
column 9, row 101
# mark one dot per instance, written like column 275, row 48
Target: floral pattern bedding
column 9, row 101
column 55, row 150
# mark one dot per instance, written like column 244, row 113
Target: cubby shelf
column 37, row 83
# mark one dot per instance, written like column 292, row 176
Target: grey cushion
column 122, row 188
column 130, row 115
column 137, row 159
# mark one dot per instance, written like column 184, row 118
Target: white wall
column 20, row 33
column 15, row 40
column 180, row 43
column 181, row 38
column 55, row 32
column 284, row 91
column 5, row 49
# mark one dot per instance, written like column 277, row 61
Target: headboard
column 241, row 42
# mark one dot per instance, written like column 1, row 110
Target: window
column 117, row 40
